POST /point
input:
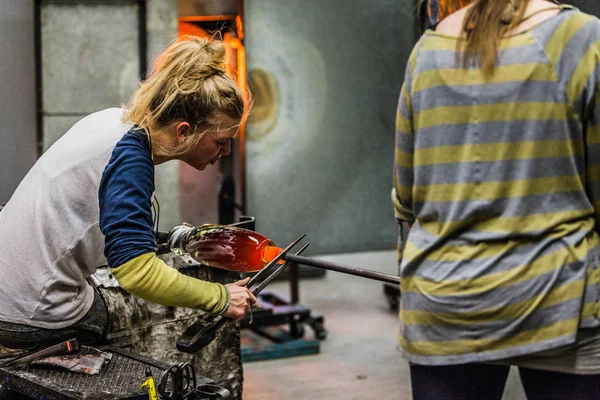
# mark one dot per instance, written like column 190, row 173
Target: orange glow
column 270, row 252
column 239, row 26
column 234, row 44
column 447, row 7
column 188, row 29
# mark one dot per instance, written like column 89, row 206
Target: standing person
column 497, row 170
column 87, row 202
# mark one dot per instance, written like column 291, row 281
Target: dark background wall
column 18, row 133
column 588, row 6
column 326, row 77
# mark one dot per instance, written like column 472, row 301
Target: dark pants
column 482, row 381
column 88, row 330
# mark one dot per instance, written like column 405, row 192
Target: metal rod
column 39, row 102
column 294, row 284
column 365, row 273
column 143, row 38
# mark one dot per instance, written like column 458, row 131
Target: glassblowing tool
column 203, row 332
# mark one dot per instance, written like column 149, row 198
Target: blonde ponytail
column 188, row 83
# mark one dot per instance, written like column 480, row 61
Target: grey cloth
column 89, row 330
column 55, row 213
column 581, row 357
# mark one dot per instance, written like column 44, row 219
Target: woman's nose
column 226, row 148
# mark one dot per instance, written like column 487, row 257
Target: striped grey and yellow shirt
column 500, row 177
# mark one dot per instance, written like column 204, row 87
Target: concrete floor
column 359, row 359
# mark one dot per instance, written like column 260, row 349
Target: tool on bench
column 55, row 350
column 178, row 382
column 149, row 385
column 202, row 333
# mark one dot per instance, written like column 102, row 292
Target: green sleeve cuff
column 150, row 278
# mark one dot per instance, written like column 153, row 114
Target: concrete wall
column 162, row 29
column 207, row 7
column 326, row 76
column 83, row 70
column 90, row 61
column 18, row 132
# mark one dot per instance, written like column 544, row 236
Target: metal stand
column 270, row 322
column 282, row 321
column 392, row 295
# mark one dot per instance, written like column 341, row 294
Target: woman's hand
column 240, row 300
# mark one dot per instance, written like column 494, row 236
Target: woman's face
column 214, row 144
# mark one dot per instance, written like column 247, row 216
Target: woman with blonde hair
column 497, row 172
column 87, row 202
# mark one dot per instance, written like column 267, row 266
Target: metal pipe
column 294, row 284
column 143, row 38
column 365, row 273
column 39, row 103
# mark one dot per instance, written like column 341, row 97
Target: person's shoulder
column 579, row 29
column 575, row 17
column 571, row 30
column 453, row 24
column 594, row 22
column 105, row 113
column 135, row 143
column 103, row 119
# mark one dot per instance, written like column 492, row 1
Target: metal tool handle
column 212, row 392
column 55, row 350
column 200, row 334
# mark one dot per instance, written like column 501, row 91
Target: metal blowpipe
column 346, row 269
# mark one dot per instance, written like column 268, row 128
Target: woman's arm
column 125, row 200
column 404, row 152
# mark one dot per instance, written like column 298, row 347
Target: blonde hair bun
column 188, row 82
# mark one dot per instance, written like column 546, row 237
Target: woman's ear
column 182, row 130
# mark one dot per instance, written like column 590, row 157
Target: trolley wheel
column 393, row 302
column 297, row 330
column 318, row 328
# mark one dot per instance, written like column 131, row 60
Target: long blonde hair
column 485, row 23
column 188, row 83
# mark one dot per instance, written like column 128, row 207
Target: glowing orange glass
column 231, row 248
